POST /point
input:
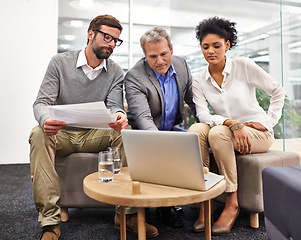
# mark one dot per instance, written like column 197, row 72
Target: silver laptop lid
column 166, row 157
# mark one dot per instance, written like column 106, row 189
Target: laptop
column 170, row 158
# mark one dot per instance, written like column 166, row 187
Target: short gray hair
column 154, row 35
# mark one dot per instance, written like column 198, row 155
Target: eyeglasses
column 108, row 38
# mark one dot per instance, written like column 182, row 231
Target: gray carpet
column 18, row 216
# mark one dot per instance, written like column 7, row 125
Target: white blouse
column 236, row 98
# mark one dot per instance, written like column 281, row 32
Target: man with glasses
column 75, row 77
column 156, row 88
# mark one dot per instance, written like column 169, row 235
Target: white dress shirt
column 90, row 72
column 236, row 98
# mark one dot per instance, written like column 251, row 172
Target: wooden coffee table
column 124, row 192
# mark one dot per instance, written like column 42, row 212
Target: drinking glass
column 105, row 166
column 116, row 158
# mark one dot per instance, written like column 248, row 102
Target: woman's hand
column 255, row 125
column 243, row 143
column 242, row 140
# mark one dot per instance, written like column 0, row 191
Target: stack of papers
column 83, row 115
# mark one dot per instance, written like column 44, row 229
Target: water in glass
column 105, row 167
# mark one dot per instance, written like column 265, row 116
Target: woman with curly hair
column 238, row 123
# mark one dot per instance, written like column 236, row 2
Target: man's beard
column 101, row 54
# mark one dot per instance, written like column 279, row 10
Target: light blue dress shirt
column 170, row 94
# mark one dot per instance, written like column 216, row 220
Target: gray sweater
column 65, row 84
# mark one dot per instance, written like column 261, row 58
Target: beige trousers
column 43, row 149
column 221, row 140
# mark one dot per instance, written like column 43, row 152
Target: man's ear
column 171, row 49
column 91, row 34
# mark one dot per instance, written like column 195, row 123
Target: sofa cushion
column 282, row 199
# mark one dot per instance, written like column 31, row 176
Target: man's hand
column 255, row 125
column 51, row 127
column 120, row 123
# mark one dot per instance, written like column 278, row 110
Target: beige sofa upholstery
column 72, row 170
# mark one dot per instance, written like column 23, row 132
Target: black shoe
column 170, row 217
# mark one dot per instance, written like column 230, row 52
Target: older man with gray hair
column 156, row 89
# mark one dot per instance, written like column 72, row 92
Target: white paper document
column 83, row 115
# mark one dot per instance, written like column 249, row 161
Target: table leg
column 207, row 208
column 122, row 223
column 141, row 223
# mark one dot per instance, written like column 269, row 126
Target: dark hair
column 107, row 20
column 220, row 26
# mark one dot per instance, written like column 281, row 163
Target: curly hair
column 220, row 26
